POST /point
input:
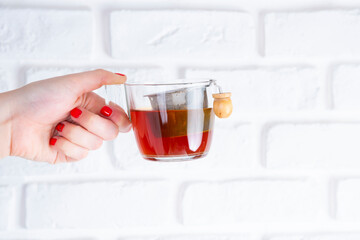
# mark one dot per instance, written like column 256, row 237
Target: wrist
column 5, row 125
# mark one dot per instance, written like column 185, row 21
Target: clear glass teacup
column 174, row 121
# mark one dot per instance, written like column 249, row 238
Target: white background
column 285, row 166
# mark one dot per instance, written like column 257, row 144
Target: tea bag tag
column 222, row 104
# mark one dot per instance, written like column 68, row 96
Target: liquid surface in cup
column 173, row 133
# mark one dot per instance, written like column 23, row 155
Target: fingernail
column 52, row 141
column 120, row 74
column 76, row 112
column 60, row 127
column 106, row 111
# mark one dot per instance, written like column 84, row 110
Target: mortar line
column 260, row 33
column 99, row 34
column 329, row 86
column 332, row 198
column 325, row 77
column 224, row 63
column 260, row 143
column 17, row 213
column 186, row 176
column 179, row 202
column 258, row 229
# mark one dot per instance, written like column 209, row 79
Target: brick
column 238, row 153
column 193, row 237
column 103, row 204
column 346, row 87
column 313, row 145
column 45, row 33
column 347, row 200
column 141, row 238
column 267, row 88
column 98, row 161
column 180, row 33
column 6, row 199
column 4, row 81
column 334, row 236
column 261, row 200
column 309, row 33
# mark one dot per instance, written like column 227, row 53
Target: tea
column 172, row 134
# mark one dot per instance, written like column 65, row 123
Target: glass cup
column 171, row 122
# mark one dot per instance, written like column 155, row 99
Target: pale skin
column 60, row 119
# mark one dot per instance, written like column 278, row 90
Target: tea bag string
column 212, row 81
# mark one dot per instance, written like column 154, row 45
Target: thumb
column 91, row 80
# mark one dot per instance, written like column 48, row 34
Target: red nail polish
column 60, row 127
column 76, row 112
column 106, row 111
column 120, row 74
column 52, row 141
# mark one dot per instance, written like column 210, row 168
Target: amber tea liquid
column 173, row 134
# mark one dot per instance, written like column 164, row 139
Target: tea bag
column 180, row 99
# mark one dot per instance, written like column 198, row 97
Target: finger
column 92, row 102
column 91, row 80
column 78, row 135
column 69, row 149
column 101, row 127
column 117, row 115
column 96, row 104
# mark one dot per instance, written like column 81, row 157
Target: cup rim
column 199, row 81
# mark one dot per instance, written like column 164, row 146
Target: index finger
column 91, row 80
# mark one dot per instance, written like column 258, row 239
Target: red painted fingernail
column 76, row 112
column 120, row 74
column 106, row 111
column 60, row 127
column 52, row 141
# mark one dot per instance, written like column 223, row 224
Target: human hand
column 60, row 119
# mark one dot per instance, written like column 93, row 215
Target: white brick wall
column 348, row 195
column 313, row 145
column 318, row 237
column 182, row 34
column 346, row 86
column 269, row 200
column 262, row 89
column 44, row 33
column 6, row 198
column 194, row 237
column 113, row 204
column 285, row 166
column 313, row 33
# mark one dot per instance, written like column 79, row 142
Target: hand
column 60, row 119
